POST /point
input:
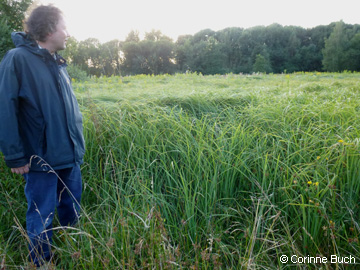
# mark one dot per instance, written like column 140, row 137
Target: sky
column 114, row 19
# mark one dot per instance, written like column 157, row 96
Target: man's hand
column 21, row 170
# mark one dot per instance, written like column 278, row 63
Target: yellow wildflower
column 316, row 183
column 340, row 141
column 309, row 182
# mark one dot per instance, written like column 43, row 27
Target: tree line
column 271, row 49
column 268, row 49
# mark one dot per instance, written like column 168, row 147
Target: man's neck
column 44, row 45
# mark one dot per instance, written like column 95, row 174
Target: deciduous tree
column 12, row 13
column 335, row 49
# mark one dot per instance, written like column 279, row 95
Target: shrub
column 77, row 73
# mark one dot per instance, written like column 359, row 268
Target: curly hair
column 43, row 21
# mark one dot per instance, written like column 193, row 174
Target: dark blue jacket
column 39, row 114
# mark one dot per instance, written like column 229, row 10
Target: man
column 41, row 127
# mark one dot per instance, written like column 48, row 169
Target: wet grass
column 209, row 172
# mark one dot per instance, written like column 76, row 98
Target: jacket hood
column 22, row 39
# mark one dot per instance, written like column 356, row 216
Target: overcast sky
column 114, row 19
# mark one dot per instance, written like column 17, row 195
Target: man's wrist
column 17, row 163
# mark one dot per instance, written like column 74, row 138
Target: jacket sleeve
column 10, row 141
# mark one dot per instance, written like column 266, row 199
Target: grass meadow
column 209, row 172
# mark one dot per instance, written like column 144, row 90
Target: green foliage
column 232, row 44
column 12, row 14
column 335, row 49
column 205, row 54
column 5, row 40
column 353, row 54
column 71, row 50
column 13, row 11
column 77, row 73
column 233, row 50
column 262, row 64
column 111, row 59
column 88, row 56
column 93, row 57
column 153, row 55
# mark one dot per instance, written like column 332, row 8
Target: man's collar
column 53, row 55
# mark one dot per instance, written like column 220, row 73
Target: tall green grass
column 208, row 172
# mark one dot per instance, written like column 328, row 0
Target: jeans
column 44, row 192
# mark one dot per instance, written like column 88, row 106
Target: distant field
column 209, row 172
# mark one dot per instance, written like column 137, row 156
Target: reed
column 209, row 172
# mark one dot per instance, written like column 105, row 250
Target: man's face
column 59, row 37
